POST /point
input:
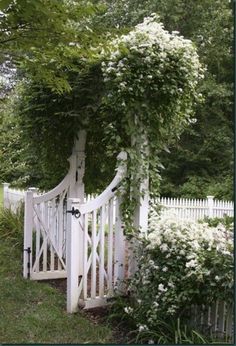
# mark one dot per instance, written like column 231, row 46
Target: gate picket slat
column 85, row 262
column 45, row 238
column 45, row 230
column 53, row 233
column 60, row 229
column 110, row 246
column 38, row 234
column 93, row 269
column 101, row 253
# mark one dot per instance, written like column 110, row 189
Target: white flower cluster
column 139, row 59
column 173, row 235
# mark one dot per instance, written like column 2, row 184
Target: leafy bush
column 12, row 225
column 180, row 264
column 226, row 221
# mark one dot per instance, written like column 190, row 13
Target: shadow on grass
column 34, row 312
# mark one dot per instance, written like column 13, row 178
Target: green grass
column 33, row 312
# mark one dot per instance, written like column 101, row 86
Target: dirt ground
column 97, row 315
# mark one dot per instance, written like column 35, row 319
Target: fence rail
column 194, row 209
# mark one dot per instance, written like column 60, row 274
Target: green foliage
column 63, row 28
column 42, row 115
column 171, row 331
column 226, row 221
column 13, row 164
column 12, row 226
column 192, row 186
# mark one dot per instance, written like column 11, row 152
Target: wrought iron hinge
column 75, row 212
column 28, row 250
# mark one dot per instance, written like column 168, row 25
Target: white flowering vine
column 151, row 81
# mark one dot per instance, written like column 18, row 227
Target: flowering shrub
column 180, row 264
column 151, row 82
column 154, row 68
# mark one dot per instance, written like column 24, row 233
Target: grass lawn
column 33, row 312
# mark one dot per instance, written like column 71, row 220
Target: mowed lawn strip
column 33, row 312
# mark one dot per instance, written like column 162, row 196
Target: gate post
column 28, row 232
column 80, row 165
column 140, row 220
column 119, row 251
column 77, row 165
column 210, row 202
column 76, row 189
column 73, row 259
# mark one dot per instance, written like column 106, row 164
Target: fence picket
column 229, row 321
column 221, row 313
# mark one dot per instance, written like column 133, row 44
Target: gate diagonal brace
column 48, row 236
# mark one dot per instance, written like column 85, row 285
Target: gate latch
column 74, row 212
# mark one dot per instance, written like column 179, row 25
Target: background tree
column 44, row 39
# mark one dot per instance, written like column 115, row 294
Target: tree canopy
column 58, row 57
column 45, row 39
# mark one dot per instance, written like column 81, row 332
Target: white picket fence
column 217, row 319
column 12, row 198
column 184, row 208
column 195, row 209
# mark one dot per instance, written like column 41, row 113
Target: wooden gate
column 83, row 242
column 45, row 222
column 95, row 247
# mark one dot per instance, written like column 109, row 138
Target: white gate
column 46, row 221
column 95, row 247
column 83, row 242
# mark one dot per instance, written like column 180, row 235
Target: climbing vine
column 151, row 80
